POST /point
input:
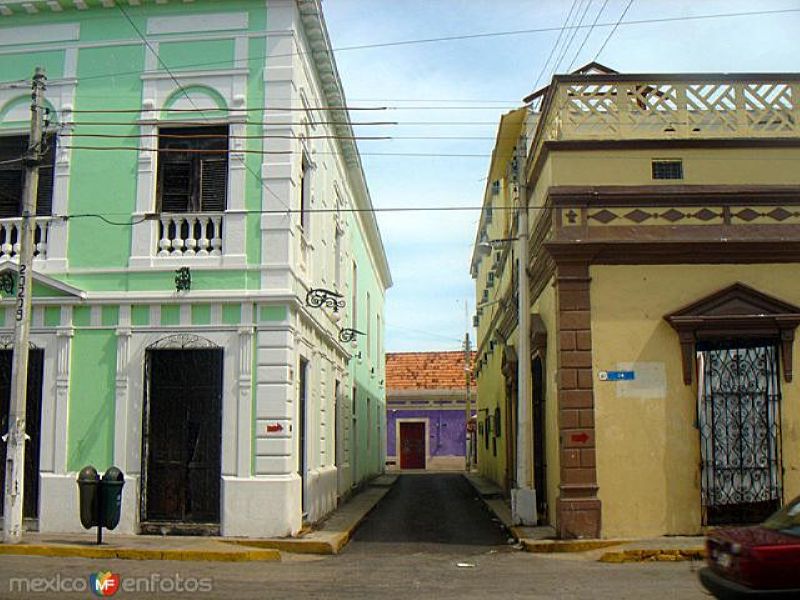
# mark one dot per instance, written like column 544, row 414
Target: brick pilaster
column 578, row 508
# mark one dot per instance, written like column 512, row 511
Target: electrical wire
column 211, row 136
column 263, row 152
column 218, row 109
column 202, row 151
column 274, row 124
column 140, row 72
column 613, row 29
column 188, row 97
column 290, row 109
column 572, row 37
column 555, row 45
column 588, row 35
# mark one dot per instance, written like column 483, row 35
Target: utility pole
column 468, row 400
column 524, row 505
column 16, row 436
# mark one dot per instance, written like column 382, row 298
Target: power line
column 388, row 209
column 171, row 123
column 280, row 124
column 188, row 97
column 211, row 136
column 216, row 109
column 290, row 109
column 408, row 154
column 572, row 36
column 458, row 38
column 611, row 33
column 263, row 152
column 588, row 35
column 555, row 45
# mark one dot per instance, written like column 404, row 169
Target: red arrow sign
column 581, row 438
column 274, row 428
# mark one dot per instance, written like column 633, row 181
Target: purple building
column 426, row 410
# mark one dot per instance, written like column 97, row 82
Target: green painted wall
column 368, row 374
column 91, row 414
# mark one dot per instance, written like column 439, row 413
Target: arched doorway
column 182, row 436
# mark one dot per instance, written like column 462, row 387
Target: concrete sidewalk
column 543, row 539
column 327, row 537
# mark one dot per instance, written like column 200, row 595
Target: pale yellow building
column 664, row 217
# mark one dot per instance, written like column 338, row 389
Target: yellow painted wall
column 545, row 307
column 647, row 445
column 723, row 166
column 491, row 394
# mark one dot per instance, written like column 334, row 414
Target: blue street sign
column 620, row 375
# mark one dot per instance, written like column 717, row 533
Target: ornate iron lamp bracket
column 319, row 297
column 7, row 283
column 348, row 335
column 183, row 279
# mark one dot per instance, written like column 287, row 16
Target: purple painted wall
column 446, row 430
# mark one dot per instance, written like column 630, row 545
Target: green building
column 200, row 180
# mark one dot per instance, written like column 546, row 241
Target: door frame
column 539, row 436
column 177, row 526
column 36, row 485
column 426, row 422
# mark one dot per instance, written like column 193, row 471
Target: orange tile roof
column 426, row 370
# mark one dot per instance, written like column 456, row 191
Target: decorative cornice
column 316, row 33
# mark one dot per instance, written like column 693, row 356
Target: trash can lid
column 113, row 474
column 88, row 473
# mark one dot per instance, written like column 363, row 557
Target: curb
column 299, row 546
column 553, row 546
column 66, row 551
column 657, row 555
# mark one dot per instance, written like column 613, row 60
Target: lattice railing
column 190, row 234
column 10, row 230
column 600, row 107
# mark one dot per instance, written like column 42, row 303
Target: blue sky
column 429, row 252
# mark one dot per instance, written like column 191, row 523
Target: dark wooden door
column 539, row 448
column 302, row 460
column 412, row 445
column 182, row 436
column 33, row 421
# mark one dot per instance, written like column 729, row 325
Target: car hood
column 755, row 536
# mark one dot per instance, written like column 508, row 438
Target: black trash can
column 88, row 487
column 111, row 497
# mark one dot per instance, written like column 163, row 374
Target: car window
column 786, row 520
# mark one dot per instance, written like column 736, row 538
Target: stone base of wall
column 578, row 518
column 265, row 506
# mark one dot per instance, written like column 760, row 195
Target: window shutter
column 44, row 194
column 12, row 175
column 213, row 184
column 176, row 185
column 11, row 182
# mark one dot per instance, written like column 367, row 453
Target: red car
column 756, row 562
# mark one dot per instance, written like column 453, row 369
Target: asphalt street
column 430, row 509
column 430, row 537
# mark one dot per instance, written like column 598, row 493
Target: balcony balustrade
column 190, row 234
column 619, row 107
column 10, row 230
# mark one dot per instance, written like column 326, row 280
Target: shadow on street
column 435, row 509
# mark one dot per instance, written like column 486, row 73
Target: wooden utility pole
column 16, row 436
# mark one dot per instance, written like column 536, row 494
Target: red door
column 412, row 445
